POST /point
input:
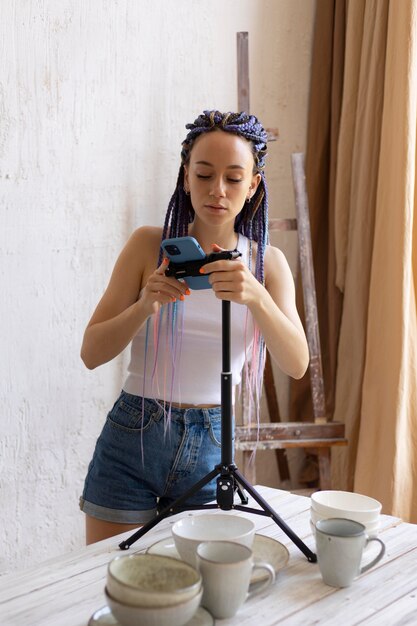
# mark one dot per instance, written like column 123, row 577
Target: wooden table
column 66, row 590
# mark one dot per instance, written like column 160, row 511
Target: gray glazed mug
column 340, row 544
column 226, row 568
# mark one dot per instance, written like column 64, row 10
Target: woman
column 163, row 432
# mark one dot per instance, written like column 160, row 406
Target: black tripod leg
column 277, row 519
column 173, row 508
column 242, row 495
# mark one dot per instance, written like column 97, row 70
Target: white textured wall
column 93, row 101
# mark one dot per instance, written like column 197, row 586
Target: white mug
column 340, row 544
column 226, row 569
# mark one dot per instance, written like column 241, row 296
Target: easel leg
column 323, row 456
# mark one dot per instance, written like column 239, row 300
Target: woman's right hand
column 135, row 291
column 160, row 289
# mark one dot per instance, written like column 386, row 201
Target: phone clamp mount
column 192, row 268
column 229, row 480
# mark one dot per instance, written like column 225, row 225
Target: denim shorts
column 142, row 463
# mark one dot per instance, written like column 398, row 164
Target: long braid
column 252, row 220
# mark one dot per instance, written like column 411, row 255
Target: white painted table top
column 67, row 590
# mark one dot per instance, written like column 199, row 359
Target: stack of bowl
column 152, row 590
column 347, row 505
column 189, row 532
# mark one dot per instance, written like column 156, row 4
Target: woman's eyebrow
column 234, row 167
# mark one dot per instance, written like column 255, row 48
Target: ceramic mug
column 340, row 544
column 226, row 569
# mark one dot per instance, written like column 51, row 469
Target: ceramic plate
column 264, row 549
column 104, row 617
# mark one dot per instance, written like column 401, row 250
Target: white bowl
column 151, row 580
column 346, row 504
column 189, row 532
column 175, row 615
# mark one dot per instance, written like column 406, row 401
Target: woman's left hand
column 273, row 307
column 232, row 280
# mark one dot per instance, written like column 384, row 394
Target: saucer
column 104, row 617
column 264, row 549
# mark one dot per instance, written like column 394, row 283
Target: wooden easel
column 320, row 433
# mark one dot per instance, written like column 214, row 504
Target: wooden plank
column 309, row 287
column 245, row 446
column 274, row 416
column 282, row 224
column 377, row 589
column 323, row 456
column 400, row 612
column 242, row 41
column 272, row 133
column 243, row 89
column 290, row 430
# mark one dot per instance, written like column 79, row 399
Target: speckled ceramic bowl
column 149, row 580
column 174, row 615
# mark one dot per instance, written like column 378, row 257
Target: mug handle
column 258, row 587
column 378, row 556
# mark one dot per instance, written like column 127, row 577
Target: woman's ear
column 256, row 179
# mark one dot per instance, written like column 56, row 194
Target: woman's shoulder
column 147, row 234
column 142, row 247
column 275, row 262
column 145, row 239
column 274, row 255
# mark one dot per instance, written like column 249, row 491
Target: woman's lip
column 215, row 206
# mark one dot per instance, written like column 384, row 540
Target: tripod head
column 192, row 268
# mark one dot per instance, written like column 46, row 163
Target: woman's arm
column 124, row 308
column 276, row 314
column 273, row 306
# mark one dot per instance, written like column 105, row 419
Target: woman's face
column 219, row 176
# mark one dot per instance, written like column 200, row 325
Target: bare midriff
column 182, row 405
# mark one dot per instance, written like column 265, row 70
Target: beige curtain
column 376, row 255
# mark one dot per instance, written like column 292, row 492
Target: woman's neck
column 205, row 236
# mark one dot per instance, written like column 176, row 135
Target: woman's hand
column 232, row 280
column 161, row 289
column 135, row 291
column 273, row 307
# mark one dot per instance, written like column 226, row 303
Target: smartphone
column 182, row 249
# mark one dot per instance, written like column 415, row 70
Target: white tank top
column 193, row 376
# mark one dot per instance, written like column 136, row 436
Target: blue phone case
column 181, row 249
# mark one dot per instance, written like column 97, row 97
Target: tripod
column 229, row 480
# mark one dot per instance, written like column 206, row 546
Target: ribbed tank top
column 194, row 377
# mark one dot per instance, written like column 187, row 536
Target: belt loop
column 206, row 418
column 157, row 409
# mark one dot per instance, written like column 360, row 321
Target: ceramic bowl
column 346, row 504
column 189, row 532
column 151, row 580
column 174, row 615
